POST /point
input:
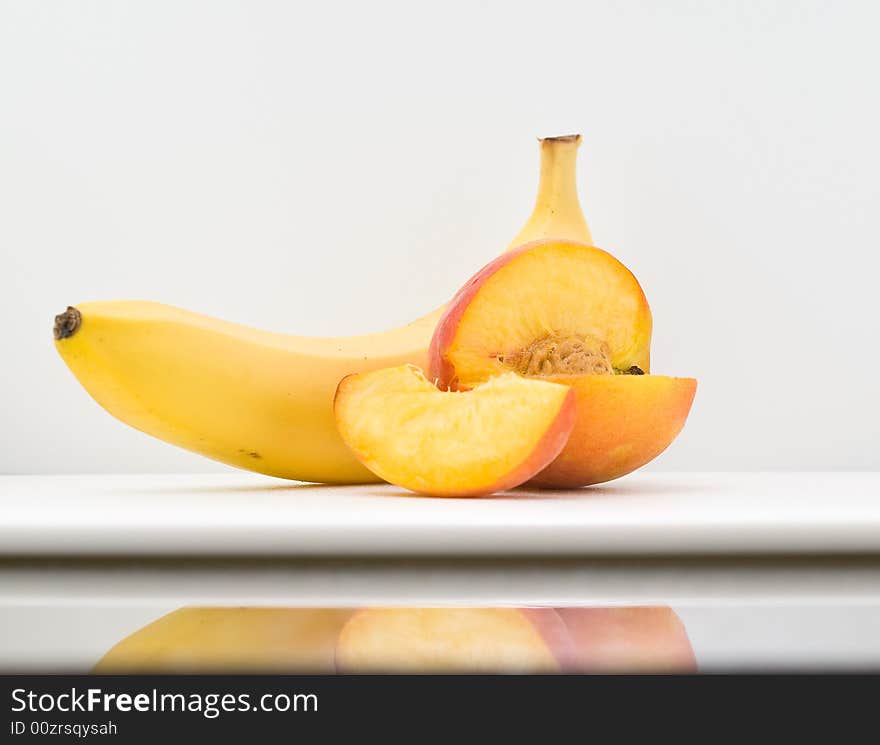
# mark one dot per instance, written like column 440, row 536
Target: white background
column 335, row 168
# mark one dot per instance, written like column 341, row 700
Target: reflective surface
column 705, row 638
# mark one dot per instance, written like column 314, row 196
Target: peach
column 439, row 443
column 571, row 314
column 229, row 640
column 445, row 640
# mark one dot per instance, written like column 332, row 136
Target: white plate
column 242, row 514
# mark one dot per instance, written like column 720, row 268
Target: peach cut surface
column 439, row 443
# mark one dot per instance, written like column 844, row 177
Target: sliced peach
column 442, row 443
column 572, row 314
column 628, row 640
column 444, row 640
column 623, row 422
column 548, row 307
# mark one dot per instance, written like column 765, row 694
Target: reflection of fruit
column 253, row 399
column 515, row 640
column 211, row 640
column 453, row 444
column 572, row 314
column 621, row 640
column 436, row 640
column 316, row 640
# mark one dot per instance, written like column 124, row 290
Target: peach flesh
column 547, row 294
column 453, row 444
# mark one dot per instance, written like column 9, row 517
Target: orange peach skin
column 623, row 422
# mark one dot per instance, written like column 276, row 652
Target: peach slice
column 446, row 640
column 441, row 443
column 572, row 314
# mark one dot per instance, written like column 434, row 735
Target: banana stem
column 557, row 212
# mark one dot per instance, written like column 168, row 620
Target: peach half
column 622, row 423
column 442, row 443
column 571, row 314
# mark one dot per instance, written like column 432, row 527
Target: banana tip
column 561, row 138
column 67, row 323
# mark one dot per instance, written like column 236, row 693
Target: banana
column 254, row 399
column 557, row 212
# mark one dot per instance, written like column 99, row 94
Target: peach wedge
column 572, row 314
column 438, row 443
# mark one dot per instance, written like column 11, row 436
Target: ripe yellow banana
column 254, row 399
